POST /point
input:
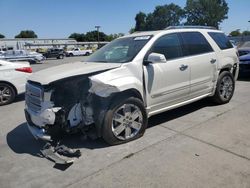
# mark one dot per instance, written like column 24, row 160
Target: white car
column 130, row 79
column 13, row 77
column 78, row 52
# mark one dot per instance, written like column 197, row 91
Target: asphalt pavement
column 198, row 145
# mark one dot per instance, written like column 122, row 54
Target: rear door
column 202, row 61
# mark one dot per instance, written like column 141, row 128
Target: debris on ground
column 60, row 154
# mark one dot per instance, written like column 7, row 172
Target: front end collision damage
column 79, row 103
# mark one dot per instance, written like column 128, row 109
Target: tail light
column 25, row 69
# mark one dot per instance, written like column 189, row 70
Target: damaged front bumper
column 37, row 132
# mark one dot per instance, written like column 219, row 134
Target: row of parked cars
column 244, row 53
column 34, row 57
column 60, row 53
column 15, row 69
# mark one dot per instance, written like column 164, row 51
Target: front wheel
column 126, row 120
column 224, row 88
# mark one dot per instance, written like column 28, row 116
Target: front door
column 167, row 83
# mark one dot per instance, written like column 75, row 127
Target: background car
column 244, row 65
column 244, row 48
column 2, row 53
column 13, row 77
column 22, row 55
column 54, row 53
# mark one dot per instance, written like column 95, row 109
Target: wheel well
column 224, row 69
column 106, row 105
column 229, row 68
column 5, row 82
column 129, row 92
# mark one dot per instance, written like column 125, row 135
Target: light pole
column 97, row 28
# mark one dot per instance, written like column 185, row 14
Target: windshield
column 119, row 51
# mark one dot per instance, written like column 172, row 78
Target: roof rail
column 191, row 27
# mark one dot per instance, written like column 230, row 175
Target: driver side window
column 168, row 45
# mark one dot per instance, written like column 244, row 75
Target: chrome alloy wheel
column 5, row 94
column 127, row 121
column 226, row 87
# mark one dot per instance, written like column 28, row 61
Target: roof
column 175, row 28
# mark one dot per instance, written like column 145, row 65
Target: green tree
column 79, row 37
column 162, row 17
column 26, row 34
column 132, row 30
column 167, row 15
column 206, row 12
column 93, row 36
column 1, row 36
column 246, row 33
column 140, row 21
column 235, row 33
column 113, row 36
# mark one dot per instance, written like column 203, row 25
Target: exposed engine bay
column 68, row 105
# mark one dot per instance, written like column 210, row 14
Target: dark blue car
column 245, row 65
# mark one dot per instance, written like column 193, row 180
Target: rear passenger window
column 221, row 40
column 195, row 43
column 168, row 45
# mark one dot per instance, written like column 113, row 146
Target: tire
column 224, row 88
column 7, row 94
column 87, row 53
column 71, row 55
column 60, row 57
column 121, row 129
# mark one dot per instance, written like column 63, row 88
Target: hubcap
column 5, row 94
column 127, row 121
column 226, row 87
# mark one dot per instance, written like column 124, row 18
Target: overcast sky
column 60, row 18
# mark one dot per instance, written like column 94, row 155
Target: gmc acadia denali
column 121, row 85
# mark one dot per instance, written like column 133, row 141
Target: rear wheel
column 87, row 54
column 225, row 88
column 126, row 120
column 7, row 94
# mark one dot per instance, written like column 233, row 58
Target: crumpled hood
column 49, row 75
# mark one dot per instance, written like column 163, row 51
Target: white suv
column 120, row 86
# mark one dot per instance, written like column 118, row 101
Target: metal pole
column 98, row 39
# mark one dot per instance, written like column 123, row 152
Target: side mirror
column 156, row 58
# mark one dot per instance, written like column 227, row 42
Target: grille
column 33, row 97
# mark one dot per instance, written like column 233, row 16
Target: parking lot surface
column 198, row 145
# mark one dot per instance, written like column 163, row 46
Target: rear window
column 195, row 43
column 221, row 40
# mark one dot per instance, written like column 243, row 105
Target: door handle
column 183, row 67
column 212, row 61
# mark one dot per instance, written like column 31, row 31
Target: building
column 34, row 43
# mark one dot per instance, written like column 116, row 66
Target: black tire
column 220, row 97
column 60, row 57
column 6, row 89
column 87, row 53
column 71, row 55
column 109, row 136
